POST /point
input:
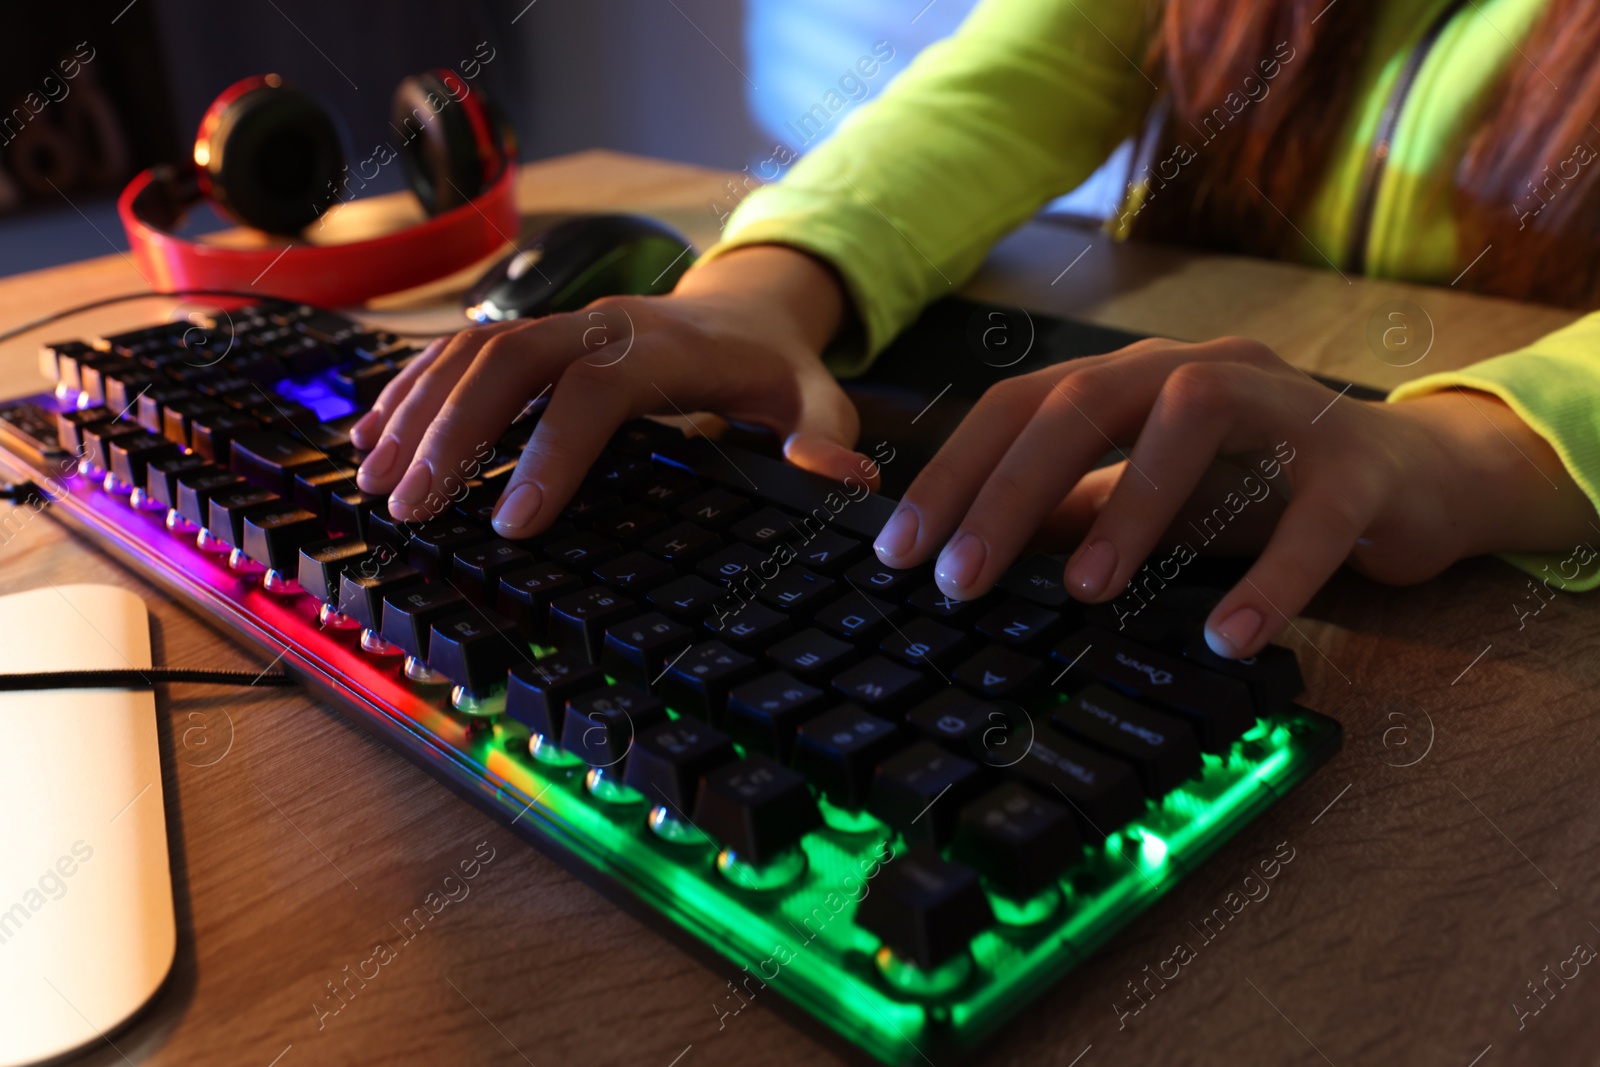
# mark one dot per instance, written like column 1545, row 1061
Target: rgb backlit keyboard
column 904, row 813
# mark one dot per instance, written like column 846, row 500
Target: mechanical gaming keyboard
column 905, row 814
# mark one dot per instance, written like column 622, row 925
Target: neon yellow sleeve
column 983, row 128
column 1554, row 386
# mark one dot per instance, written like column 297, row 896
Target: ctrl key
column 757, row 809
column 924, row 909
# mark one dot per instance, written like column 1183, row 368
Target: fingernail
column 898, row 536
column 518, row 509
column 414, row 486
column 1234, row 633
column 960, row 562
column 1089, row 569
column 363, row 429
column 379, row 462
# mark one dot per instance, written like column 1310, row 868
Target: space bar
column 781, row 483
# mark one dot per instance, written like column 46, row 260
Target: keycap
column 829, row 551
column 271, row 459
column 475, row 649
column 227, row 510
column 1162, row 748
column 663, row 487
column 921, row 791
column 98, row 438
column 70, row 426
column 881, row 686
column 634, row 573
column 618, row 472
column 1037, row 579
column 476, row 569
column 923, row 908
column 870, row 576
column 537, row 692
column 582, row 551
column 433, row 544
column 131, row 453
column 765, row 528
column 602, row 723
column 921, row 641
column 1221, row 708
column 589, row 504
column 756, row 808
column 1273, row 674
column 365, row 583
column 526, row 593
column 409, row 614
column 731, row 564
column 812, row 654
column 797, row 591
column 688, row 598
column 996, row 671
column 963, row 723
column 1145, row 623
column 629, row 523
column 1019, row 841
column 698, row 681
column 275, row 536
column 764, row 713
column 1103, row 793
column 858, row 617
column 321, row 564
column 123, row 386
column 196, row 487
column 839, row 751
column 751, row 627
column 930, row 601
column 161, row 477
column 682, row 543
column 152, row 402
column 348, row 511
column 1019, row 624
column 714, row 508
column 315, row 486
column 177, row 416
column 669, row 759
column 578, row 620
column 638, row 649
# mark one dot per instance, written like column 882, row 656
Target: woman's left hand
column 1255, row 451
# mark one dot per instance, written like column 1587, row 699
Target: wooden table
column 1442, row 860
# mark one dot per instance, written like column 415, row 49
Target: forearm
column 801, row 291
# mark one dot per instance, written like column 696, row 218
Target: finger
column 823, row 437
column 1317, row 533
column 364, row 434
column 1070, row 520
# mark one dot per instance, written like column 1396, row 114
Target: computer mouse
column 577, row 261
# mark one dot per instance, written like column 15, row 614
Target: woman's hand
column 741, row 337
column 1230, row 446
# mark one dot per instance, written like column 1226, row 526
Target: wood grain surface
column 1440, row 863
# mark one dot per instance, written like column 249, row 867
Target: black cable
column 123, row 298
column 134, row 679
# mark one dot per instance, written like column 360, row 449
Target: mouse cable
column 135, row 679
column 122, row 298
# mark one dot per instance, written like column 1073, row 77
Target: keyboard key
column 315, row 486
column 764, row 713
column 688, row 598
column 870, row 576
column 227, row 510
column 196, row 488
column 921, row 791
column 1104, row 793
column 323, row 562
column 582, row 551
column 152, row 402
column 921, row 642
column 1148, row 624
column 1162, row 748
column 1037, row 579
column 732, row 564
column 131, row 454
column 751, row 627
column 578, row 620
column 925, row 909
column 271, row 459
column 797, row 591
column 161, row 477
column 930, row 601
column 829, row 551
column 348, row 511
column 669, row 759
column 365, row 583
column 858, row 617
column 664, row 487
column 619, row 473
column 1017, row 840
column 409, row 615
column 812, row 654
column 1221, row 708
column 683, row 543
column 840, row 750
column 697, row 683
column 640, row 648
column 537, row 692
column 629, row 523
column 476, row 569
column 274, row 537
column 177, row 416
column 633, row 573
column 475, row 650
column 98, row 438
column 1273, row 674
column 714, row 508
column 765, row 529
column 964, row 724
column 526, row 593
column 1020, row 624
column 756, row 808
column 881, row 686
column 433, row 544
column 70, row 427
column 1000, row 672
column 602, row 723
column 211, row 435
column 590, row 504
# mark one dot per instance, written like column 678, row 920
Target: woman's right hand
column 741, row 336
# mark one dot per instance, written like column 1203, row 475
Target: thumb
column 824, row 435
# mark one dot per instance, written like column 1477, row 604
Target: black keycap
column 839, row 751
column 639, row 649
column 881, row 686
column 1220, row 707
column 1020, row 624
column 966, row 725
column 629, row 523
column 765, row 528
column 682, row 543
column 161, row 477
column 433, row 544
column 227, row 510
column 829, row 551
column 1162, row 748
column 364, row 382
column 688, row 598
column 177, row 416
column 858, row 617
column 130, row 455
column 1273, row 674
column 751, row 627
column 476, row 569
column 526, row 593
column 925, row 909
column 537, row 692
column 921, row 791
column 870, row 576
column 212, row 435
column 665, row 487
column 582, row 551
column 1104, row 793
column 669, row 759
column 812, row 654
column 271, row 459
column 997, row 671
column 930, row 601
column 409, row 615
column 196, row 487
column 98, row 438
column 274, row 537
column 697, row 683
column 384, row 529
column 714, row 508
column 1146, row 623
column 732, row 564
column 123, row 386
column 763, row 713
column 619, row 472
column 633, row 573
column 475, row 649
column 315, row 486
column 1037, row 579
column 797, row 591
column 756, row 808
column 365, row 583
column 321, row 564
column 70, row 426
column 603, row 723
column 348, row 511
column 578, row 620
column 590, row 504
column 1019, row 841
column 922, row 641
column 152, row 401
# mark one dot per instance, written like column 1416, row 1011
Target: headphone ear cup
column 443, row 154
column 274, row 159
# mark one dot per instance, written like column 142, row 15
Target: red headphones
column 268, row 156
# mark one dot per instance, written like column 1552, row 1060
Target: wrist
column 797, row 292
